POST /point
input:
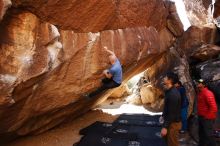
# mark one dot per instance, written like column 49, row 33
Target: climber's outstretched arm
column 109, row 51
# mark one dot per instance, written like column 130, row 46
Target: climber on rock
column 113, row 75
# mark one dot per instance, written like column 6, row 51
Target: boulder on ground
column 120, row 92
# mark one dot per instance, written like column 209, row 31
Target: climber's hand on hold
column 163, row 132
column 107, row 74
column 109, row 51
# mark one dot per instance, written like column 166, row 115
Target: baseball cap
column 201, row 81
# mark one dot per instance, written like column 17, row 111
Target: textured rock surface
column 120, row 92
column 174, row 23
column 176, row 63
column 166, row 39
column 49, row 69
column 206, row 52
column 149, row 94
column 46, row 68
column 134, row 99
column 152, row 98
column 195, row 37
column 27, row 49
column 4, row 5
column 97, row 15
column 198, row 12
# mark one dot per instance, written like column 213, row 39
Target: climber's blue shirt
column 116, row 71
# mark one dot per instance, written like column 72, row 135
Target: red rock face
column 49, row 56
column 195, row 37
column 24, row 54
column 206, row 52
column 174, row 23
column 166, row 39
column 217, row 9
column 98, row 15
column 46, row 70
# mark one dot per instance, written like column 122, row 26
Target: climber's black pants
column 106, row 84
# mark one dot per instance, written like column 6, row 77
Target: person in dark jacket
column 207, row 113
column 172, row 112
column 184, row 105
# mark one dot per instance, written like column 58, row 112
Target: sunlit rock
column 120, row 92
column 199, row 12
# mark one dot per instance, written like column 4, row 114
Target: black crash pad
column 98, row 140
column 139, row 120
column 141, row 132
column 106, row 129
column 147, row 142
column 147, row 123
column 97, row 127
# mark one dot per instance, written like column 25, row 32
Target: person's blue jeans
column 184, row 114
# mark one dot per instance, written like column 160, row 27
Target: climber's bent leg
column 106, row 84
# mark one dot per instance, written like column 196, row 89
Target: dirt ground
column 65, row 135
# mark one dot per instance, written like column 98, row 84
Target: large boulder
column 51, row 53
column 98, row 15
column 149, row 94
column 46, row 70
column 152, row 98
column 120, row 92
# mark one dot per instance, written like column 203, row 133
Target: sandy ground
column 65, row 135
column 68, row 134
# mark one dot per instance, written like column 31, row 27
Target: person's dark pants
column 205, row 132
column 184, row 115
column 106, row 84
